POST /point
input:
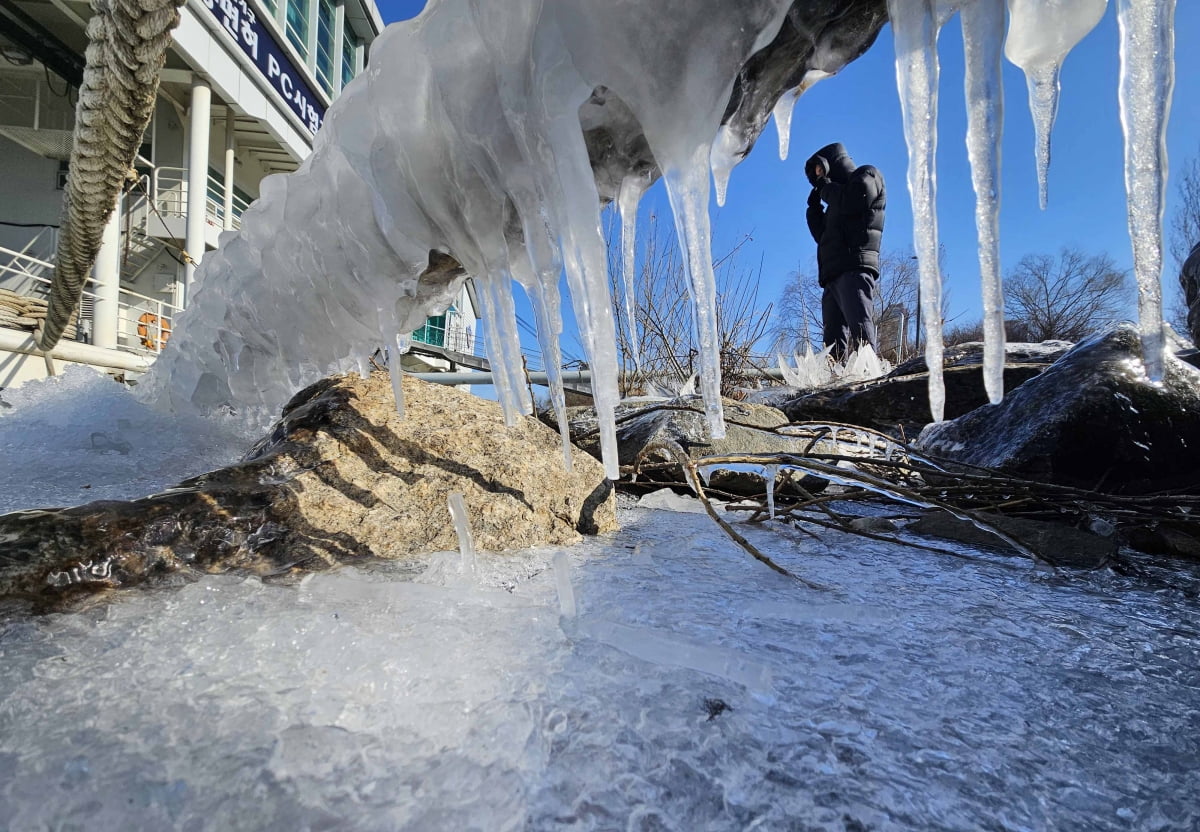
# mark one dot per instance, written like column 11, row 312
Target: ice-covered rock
column 681, row 423
column 341, row 477
column 898, row 405
column 1056, row 543
column 1092, row 420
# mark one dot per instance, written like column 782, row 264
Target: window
column 297, row 25
column 349, row 56
column 325, row 47
column 272, row 6
column 433, row 332
column 60, row 179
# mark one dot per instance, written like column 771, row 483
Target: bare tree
column 1014, row 332
column 1185, row 220
column 797, row 321
column 1066, row 297
column 664, row 334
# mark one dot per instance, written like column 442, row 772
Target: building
column 245, row 88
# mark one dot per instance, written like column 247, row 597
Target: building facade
column 244, row 90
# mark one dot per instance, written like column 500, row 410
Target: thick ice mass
column 464, row 150
column 477, row 152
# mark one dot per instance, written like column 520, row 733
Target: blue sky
column 860, row 108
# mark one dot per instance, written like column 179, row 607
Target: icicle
column 389, row 329
column 917, row 81
column 983, row 32
column 1040, row 34
column 462, row 526
column 784, row 107
column 723, row 158
column 687, row 188
column 364, row 366
column 586, row 268
column 562, row 581
column 769, row 475
column 505, row 358
column 543, row 297
column 1147, row 84
column 632, row 188
column 782, row 114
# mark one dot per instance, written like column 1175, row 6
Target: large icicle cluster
column 464, row 136
column 469, row 147
column 1040, row 34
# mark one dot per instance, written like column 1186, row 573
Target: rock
column 340, row 477
column 970, row 354
column 682, row 421
column 1092, row 420
column 1055, row 543
column 1164, row 539
column 899, row 405
column 776, row 397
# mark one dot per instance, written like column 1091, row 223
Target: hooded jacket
column 1189, row 277
column 849, row 231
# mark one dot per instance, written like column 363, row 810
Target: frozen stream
column 924, row 693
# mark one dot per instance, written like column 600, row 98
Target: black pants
column 846, row 309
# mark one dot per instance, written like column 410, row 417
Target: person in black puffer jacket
column 1189, row 279
column 848, row 234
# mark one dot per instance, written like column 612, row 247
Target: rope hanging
column 127, row 44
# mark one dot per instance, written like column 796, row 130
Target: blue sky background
column 860, row 108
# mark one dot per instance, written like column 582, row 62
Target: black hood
column 836, row 159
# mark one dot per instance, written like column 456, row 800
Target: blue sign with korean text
column 271, row 59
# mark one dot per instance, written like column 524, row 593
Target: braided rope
column 127, row 44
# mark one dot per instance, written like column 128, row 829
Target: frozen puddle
column 695, row 689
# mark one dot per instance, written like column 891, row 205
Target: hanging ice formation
column 464, row 137
column 464, row 149
column 1040, row 34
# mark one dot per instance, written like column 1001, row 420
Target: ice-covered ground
column 81, row 437
column 922, row 693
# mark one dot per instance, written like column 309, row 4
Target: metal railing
column 143, row 323
column 168, row 191
column 440, row 332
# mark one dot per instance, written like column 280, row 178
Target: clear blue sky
column 860, row 108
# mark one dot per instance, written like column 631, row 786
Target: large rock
column 681, row 422
column 898, row 404
column 1055, row 543
column 1092, row 420
column 340, row 477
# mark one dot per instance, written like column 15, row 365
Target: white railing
column 168, row 191
column 143, row 323
column 215, row 203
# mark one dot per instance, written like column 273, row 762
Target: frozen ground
column 922, row 693
column 82, row 437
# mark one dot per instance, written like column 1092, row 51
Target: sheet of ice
column 562, row 582
column 1040, row 34
column 915, row 24
column 81, row 437
column 1147, row 84
column 378, row 698
column 663, row 650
